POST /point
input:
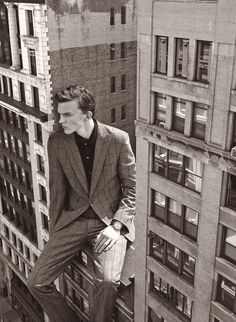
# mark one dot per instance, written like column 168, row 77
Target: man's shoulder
column 57, row 135
column 115, row 132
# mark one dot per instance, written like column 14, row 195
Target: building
column 45, row 46
column 186, row 166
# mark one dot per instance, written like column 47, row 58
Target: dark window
column 178, row 168
column 5, row 55
column 113, row 84
column 44, row 221
column 161, row 54
column 38, row 133
column 33, row 62
column 43, row 193
column 112, row 51
column 10, row 87
column 113, row 115
column 203, row 62
column 112, row 16
column 6, row 232
column 234, row 132
column 123, row 82
column 179, row 115
column 36, row 96
column 3, row 17
column 20, row 244
column 30, row 22
column 40, row 162
column 27, row 252
column 123, row 112
column 123, row 50
column 160, row 109
column 182, row 55
column 22, row 92
column 226, row 293
column 170, row 295
column 154, row 317
column 5, row 86
column 199, row 121
column 229, row 244
column 14, row 239
column 123, row 15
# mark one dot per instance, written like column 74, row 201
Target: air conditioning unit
column 233, row 152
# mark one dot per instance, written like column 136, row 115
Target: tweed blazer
column 112, row 190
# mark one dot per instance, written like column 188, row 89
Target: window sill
column 181, row 80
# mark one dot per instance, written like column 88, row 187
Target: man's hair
column 85, row 99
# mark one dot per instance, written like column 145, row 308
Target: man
column 92, row 200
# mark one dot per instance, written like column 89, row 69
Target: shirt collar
column 91, row 140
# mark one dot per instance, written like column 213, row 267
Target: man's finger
column 102, row 246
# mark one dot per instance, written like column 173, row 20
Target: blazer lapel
column 75, row 160
column 101, row 146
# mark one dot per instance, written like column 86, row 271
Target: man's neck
column 86, row 131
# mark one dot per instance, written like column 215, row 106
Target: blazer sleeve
column 57, row 184
column 127, row 175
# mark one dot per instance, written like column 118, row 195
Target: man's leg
column 59, row 251
column 107, row 272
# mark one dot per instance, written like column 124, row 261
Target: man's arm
column 57, row 184
column 124, row 215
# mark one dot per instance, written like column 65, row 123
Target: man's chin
column 67, row 131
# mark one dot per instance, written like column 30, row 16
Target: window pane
column 203, row 61
column 160, row 109
column 162, row 55
column 172, row 257
column 179, row 115
column 226, row 294
column 188, row 267
column 157, row 247
column 230, row 244
column 175, row 166
column 193, row 175
column 182, row 53
column 191, row 223
column 231, row 192
column 174, row 214
column 159, row 205
column 199, row 122
column 160, row 161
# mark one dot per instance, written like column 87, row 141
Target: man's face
column 71, row 117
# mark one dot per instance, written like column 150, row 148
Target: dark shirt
column 87, row 148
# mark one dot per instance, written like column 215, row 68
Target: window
column 22, row 92
column 27, row 252
column 229, row 245
column 40, row 162
column 36, row 96
column 160, row 109
column 20, row 244
column 14, row 239
column 43, row 193
column 203, row 61
column 226, row 293
column 182, row 54
column 161, row 54
column 179, row 115
column 30, row 22
column 123, row 50
column 38, row 133
column 234, row 131
column 178, row 168
column 172, row 257
column 112, row 16
column 44, row 221
column 3, row 16
column 5, row 56
column 113, row 115
column 113, row 84
column 170, row 295
column 153, row 317
column 33, row 66
column 6, row 232
column 199, row 121
column 123, row 82
column 123, row 112
column 123, row 15
column 20, row 149
column 112, row 51
column 5, row 87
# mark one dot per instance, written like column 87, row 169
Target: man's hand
column 106, row 239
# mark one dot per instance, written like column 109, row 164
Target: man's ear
column 89, row 115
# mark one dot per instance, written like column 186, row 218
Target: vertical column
column 171, row 57
column 2, row 84
column 169, row 112
column 13, row 36
column 188, row 118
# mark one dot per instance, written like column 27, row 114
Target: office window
column 5, row 56
column 3, row 17
column 113, row 115
column 27, row 252
column 233, row 142
column 5, row 86
column 178, row 168
column 10, row 87
column 30, row 22
column 14, row 239
column 38, row 133
column 199, row 121
column 182, row 56
column 123, row 82
column 113, row 84
column 226, row 293
column 153, row 317
column 20, row 149
column 161, row 54
column 123, row 15
column 179, row 115
column 112, row 16
column 6, row 232
column 112, row 51
column 123, row 50
column 33, row 66
column 43, row 193
column 203, row 61
column 229, row 245
column 172, row 257
column 45, row 223
column 123, row 112
column 22, row 92
column 40, row 162
column 170, row 295
column 160, row 109
column 36, row 96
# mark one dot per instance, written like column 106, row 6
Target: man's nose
column 61, row 120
